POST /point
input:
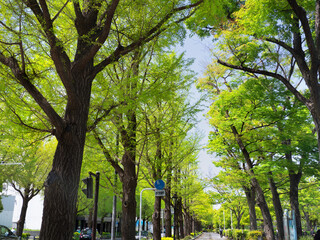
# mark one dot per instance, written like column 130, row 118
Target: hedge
column 239, row 234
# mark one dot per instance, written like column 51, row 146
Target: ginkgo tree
column 53, row 51
column 278, row 39
column 256, row 117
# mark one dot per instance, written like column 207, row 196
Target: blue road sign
column 159, row 184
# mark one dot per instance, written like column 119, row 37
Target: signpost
column 159, row 192
column 159, row 185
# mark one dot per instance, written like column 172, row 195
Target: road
column 210, row 236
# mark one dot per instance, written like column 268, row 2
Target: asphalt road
column 210, row 236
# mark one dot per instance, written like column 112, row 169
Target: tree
column 282, row 42
column 260, row 119
column 82, row 37
column 29, row 180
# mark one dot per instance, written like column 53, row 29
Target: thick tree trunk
column 277, row 207
column 156, row 219
column 251, row 199
column 61, row 186
column 129, row 184
column 62, row 183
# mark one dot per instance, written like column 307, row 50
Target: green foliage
column 253, row 235
column 306, row 237
column 211, row 16
column 239, row 234
column 76, row 236
column 25, row 236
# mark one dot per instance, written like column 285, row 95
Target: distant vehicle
column 6, row 233
column 86, row 234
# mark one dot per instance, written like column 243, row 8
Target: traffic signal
column 89, row 184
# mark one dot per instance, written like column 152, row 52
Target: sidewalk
column 210, row 236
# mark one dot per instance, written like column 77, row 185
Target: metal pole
column 141, row 208
column 95, row 212
column 114, row 211
column 114, row 219
column 224, row 221
column 231, row 218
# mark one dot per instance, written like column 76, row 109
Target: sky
column 200, row 51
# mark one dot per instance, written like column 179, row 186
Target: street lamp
column 174, row 198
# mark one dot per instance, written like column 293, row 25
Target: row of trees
column 265, row 116
column 99, row 71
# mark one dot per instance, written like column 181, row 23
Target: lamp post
column 174, row 197
column 141, row 208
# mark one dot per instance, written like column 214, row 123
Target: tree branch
column 107, row 155
column 150, row 35
column 301, row 14
column 291, row 88
column 24, row 80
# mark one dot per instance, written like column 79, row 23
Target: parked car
column 86, row 234
column 6, row 233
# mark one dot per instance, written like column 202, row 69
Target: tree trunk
column 167, row 211
column 261, row 201
column 23, row 213
column 294, row 199
column 62, row 183
column 167, row 198
column 129, row 204
column 180, row 219
column 251, row 199
column 277, row 207
column 156, row 219
column 187, row 225
column 307, row 218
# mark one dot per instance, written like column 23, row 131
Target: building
column 6, row 216
column 12, row 203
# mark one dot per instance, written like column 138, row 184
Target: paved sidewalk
column 210, row 236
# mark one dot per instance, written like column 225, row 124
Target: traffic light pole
column 95, row 209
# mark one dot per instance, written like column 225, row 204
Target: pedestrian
column 220, row 230
column 317, row 236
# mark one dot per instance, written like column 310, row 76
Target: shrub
column 253, row 235
column 238, row 234
column 228, row 233
column 306, row 238
column 167, row 238
column 106, row 235
column 25, row 235
column 76, row 236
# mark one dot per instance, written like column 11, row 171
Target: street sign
column 159, row 184
column 159, row 193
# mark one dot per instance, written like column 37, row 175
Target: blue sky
column 200, row 51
